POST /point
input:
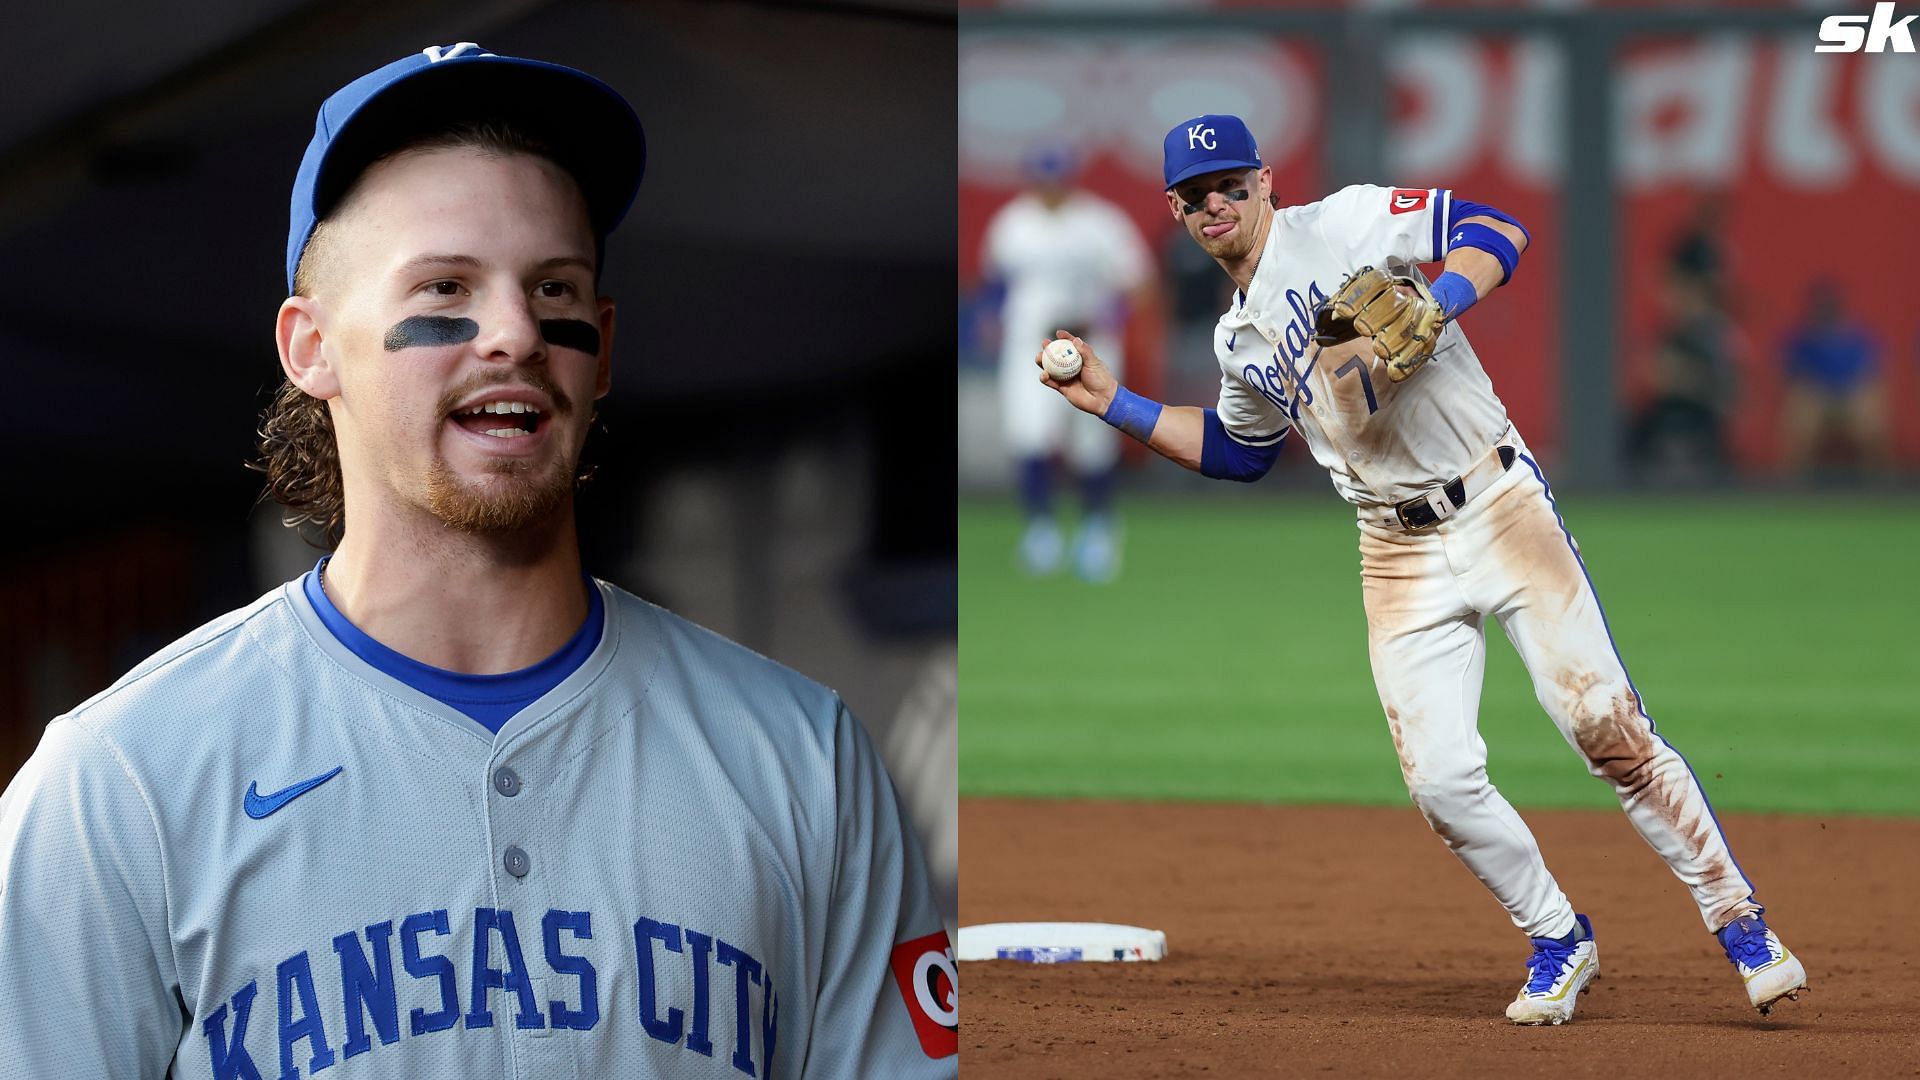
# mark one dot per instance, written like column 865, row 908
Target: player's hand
column 1090, row 391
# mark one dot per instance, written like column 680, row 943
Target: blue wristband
column 1133, row 414
column 1455, row 293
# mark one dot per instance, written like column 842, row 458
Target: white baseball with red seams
column 1060, row 360
column 1429, row 592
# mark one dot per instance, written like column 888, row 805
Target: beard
column 515, row 495
column 1235, row 245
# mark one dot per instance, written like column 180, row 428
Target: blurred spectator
column 1068, row 260
column 1700, row 252
column 1835, row 410
column 1679, row 437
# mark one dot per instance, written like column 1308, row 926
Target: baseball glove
column 1370, row 304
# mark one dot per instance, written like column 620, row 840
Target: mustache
column 532, row 379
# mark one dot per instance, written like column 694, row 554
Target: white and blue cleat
column 1096, row 551
column 1042, row 548
column 1558, row 972
column 1771, row 972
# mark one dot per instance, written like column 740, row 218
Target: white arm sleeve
column 87, row 979
column 993, row 249
column 1365, row 223
column 869, row 1021
column 1128, row 263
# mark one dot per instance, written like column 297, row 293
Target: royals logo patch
column 930, row 985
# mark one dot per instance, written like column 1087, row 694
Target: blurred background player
column 1063, row 257
column 1834, row 389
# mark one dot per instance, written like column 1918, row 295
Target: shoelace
column 1748, row 946
column 1548, row 960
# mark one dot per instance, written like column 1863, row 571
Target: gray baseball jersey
column 683, row 861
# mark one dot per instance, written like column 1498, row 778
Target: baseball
column 1060, row 359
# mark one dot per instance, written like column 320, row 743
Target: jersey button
column 506, row 781
column 517, row 862
column 1353, row 455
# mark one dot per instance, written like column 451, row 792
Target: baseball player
column 446, row 806
column 1065, row 257
column 1457, row 524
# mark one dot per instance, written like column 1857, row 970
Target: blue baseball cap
column 593, row 131
column 1207, row 144
column 1050, row 161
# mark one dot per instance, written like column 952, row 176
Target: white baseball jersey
column 1065, row 269
column 1382, row 442
column 682, row 861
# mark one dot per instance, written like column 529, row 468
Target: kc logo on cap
column 1210, row 143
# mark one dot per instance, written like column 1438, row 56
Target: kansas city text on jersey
column 697, row 991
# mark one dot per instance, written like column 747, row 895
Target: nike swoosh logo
column 259, row 806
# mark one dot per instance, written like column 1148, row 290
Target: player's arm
column 1478, row 245
column 1483, row 247
column 87, row 978
column 889, row 996
column 1192, row 437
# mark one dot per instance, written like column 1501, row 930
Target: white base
column 1059, row 943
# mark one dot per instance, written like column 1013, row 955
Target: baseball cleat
column 1557, row 974
column 1042, row 548
column 1771, row 972
column 1096, row 551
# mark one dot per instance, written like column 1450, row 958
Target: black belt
column 1419, row 513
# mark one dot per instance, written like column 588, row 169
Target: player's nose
column 509, row 328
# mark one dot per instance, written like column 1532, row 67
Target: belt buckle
column 1400, row 512
column 1437, row 502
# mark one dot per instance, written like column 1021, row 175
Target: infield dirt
column 1316, row 941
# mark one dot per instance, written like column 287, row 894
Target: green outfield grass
column 1767, row 636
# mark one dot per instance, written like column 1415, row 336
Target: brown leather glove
column 1370, row 303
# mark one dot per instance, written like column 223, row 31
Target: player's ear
column 1173, row 206
column 603, row 380
column 297, row 333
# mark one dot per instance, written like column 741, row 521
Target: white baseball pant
column 1427, row 595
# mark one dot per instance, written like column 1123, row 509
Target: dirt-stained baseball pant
column 1428, row 593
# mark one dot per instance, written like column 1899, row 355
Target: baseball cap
column 1050, row 160
column 1207, row 144
column 593, row 131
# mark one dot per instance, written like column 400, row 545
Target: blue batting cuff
column 1223, row 457
column 1455, row 293
column 1133, row 414
column 1490, row 240
column 1459, row 210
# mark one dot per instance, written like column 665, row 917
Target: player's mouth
column 503, row 425
column 1218, row 229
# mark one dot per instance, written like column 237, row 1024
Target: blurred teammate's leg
column 1093, row 452
column 1033, row 422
